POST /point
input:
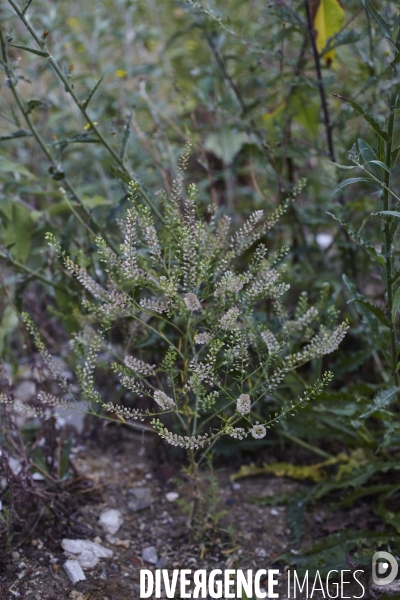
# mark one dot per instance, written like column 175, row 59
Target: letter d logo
column 380, row 568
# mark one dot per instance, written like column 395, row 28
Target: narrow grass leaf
column 359, row 239
column 384, row 25
column 350, row 181
column 92, row 92
column 396, row 302
column 375, row 310
column 367, row 116
column 32, row 50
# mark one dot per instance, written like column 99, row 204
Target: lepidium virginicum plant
column 207, row 338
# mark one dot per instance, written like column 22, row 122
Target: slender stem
column 387, row 245
column 43, row 145
column 81, row 105
column 324, row 101
column 30, row 272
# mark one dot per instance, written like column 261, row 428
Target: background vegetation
column 91, row 99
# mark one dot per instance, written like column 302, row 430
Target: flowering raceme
column 196, row 354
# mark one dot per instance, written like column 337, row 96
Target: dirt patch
column 239, row 535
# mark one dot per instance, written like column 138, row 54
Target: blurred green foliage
column 241, row 81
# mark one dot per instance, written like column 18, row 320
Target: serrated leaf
column 369, row 118
column 350, row 181
column 328, row 21
column 32, row 50
column 92, row 92
column 375, row 310
column 384, row 25
column 360, row 240
column 381, row 400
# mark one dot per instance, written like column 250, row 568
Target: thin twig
column 324, row 101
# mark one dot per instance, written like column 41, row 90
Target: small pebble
column 150, row 555
column 111, row 520
column 162, row 563
column 172, row 496
column 141, row 499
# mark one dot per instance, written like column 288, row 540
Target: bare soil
column 239, row 534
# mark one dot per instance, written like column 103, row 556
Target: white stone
column 172, row 496
column 111, row 520
column 87, row 553
column 150, row 555
column 74, row 571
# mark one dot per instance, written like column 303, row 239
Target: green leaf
column 394, row 156
column 225, row 144
column 34, row 103
column 369, row 118
column 305, row 110
column 350, row 181
column 9, row 323
column 380, row 164
column 360, row 240
column 127, row 131
column 371, row 159
column 381, row 400
column 384, row 25
column 92, row 92
column 366, row 151
column 16, row 229
column 370, row 319
column 8, row 166
column 94, row 201
column 396, row 302
column 120, row 174
column 378, row 312
column 32, row 50
column 64, row 460
column 329, row 552
column 387, row 213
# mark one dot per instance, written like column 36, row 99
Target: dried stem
column 324, row 101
